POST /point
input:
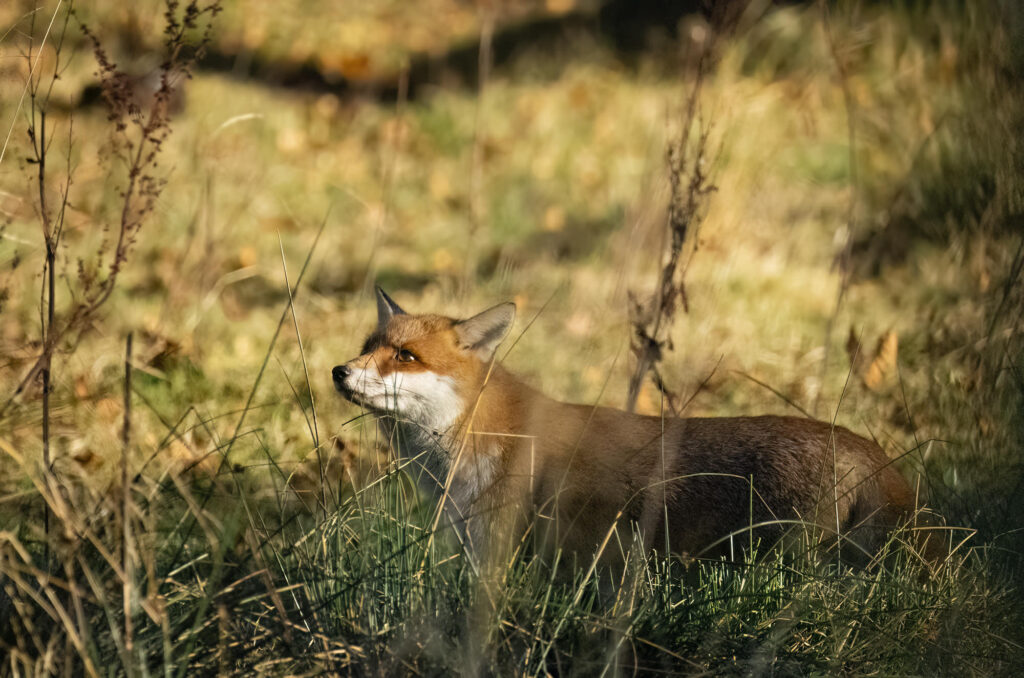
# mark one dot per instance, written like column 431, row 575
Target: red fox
column 493, row 447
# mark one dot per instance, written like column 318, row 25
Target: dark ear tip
column 386, row 306
column 384, row 296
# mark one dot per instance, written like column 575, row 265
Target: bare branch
column 690, row 190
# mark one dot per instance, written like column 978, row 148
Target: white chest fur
column 445, row 468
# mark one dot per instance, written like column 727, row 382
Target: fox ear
column 483, row 332
column 386, row 308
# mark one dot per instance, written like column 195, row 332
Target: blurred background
column 858, row 256
column 854, row 251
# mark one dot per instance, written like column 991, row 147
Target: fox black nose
column 340, row 372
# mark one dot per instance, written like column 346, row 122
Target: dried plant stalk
column 690, row 190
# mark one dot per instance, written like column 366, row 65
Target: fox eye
column 405, row 356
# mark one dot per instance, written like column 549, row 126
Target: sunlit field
column 859, row 261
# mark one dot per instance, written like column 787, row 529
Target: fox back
column 502, row 455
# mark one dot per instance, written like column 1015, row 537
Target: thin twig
column 315, row 431
column 126, row 498
column 782, row 396
column 31, row 73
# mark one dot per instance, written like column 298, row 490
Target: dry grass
column 570, row 202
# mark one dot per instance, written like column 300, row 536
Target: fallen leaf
column 443, row 261
column 81, row 387
column 247, row 256
column 554, row 219
column 579, row 324
column 439, row 185
column 884, row 363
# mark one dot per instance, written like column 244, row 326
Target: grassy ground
column 548, row 186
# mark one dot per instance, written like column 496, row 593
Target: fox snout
column 355, row 384
column 338, row 374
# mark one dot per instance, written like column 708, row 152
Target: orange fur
column 511, row 456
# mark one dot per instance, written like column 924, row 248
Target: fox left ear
column 386, row 308
column 483, row 332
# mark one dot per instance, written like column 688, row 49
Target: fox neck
column 465, row 457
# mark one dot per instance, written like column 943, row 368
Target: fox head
column 423, row 369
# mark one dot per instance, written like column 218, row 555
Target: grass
column 242, row 555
